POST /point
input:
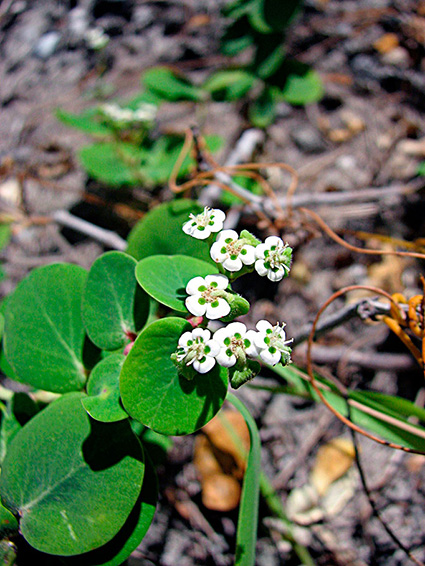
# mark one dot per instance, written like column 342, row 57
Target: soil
column 367, row 132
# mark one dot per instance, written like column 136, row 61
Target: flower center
column 232, row 247
column 194, row 350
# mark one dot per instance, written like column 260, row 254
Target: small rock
column 47, row 44
column 386, row 43
column 398, row 57
column 308, row 139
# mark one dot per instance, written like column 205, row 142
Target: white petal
column 276, row 275
column 218, row 214
column 193, row 306
column 205, row 366
column 251, row 350
column 193, row 286
column 259, row 251
column 232, row 264
column 201, row 333
column 217, row 255
column 222, row 334
column 226, row 234
column 214, row 347
column 274, row 241
column 259, row 267
column 221, row 281
column 184, row 338
column 201, row 234
column 188, row 227
column 224, row 360
column 236, row 328
column 248, row 258
column 259, row 341
column 271, row 359
column 222, row 309
column 263, row 325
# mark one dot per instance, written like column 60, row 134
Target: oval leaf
column 103, row 403
column 154, row 393
column 72, row 481
column 165, row 277
column 160, row 232
column 114, row 306
column 44, row 332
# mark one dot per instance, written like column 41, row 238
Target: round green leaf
column 73, row 481
column 117, row 550
column 44, row 333
column 8, row 522
column 114, row 306
column 103, row 403
column 160, row 232
column 154, row 393
column 165, row 277
column 303, row 88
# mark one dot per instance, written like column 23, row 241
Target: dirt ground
column 367, row 133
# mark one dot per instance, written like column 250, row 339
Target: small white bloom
column 96, row 38
column 273, row 258
column 271, row 342
column 197, row 349
column 235, row 343
column 204, row 296
column 200, row 226
column 232, row 252
column 144, row 113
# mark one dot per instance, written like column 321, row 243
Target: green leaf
column 154, row 393
column 421, row 168
column 115, row 164
column 8, row 523
column 170, row 85
column 364, row 411
column 229, row 85
column 302, row 86
column 117, row 550
column 103, row 402
column 278, row 15
column 72, row 481
column 15, row 414
column 5, row 234
column 165, row 277
column 160, row 232
column 87, row 121
column 246, row 536
column 114, row 306
column 44, row 332
column 262, row 112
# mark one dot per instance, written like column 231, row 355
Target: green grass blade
column 246, row 536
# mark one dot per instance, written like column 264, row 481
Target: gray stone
column 47, row 44
column 308, row 139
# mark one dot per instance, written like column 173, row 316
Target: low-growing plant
column 77, row 479
column 271, row 76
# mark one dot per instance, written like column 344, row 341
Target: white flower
column 271, row 343
column 197, row 349
column 200, row 226
column 235, row 343
column 97, row 38
column 144, row 113
column 273, row 258
column 231, row 251
column 205, row 296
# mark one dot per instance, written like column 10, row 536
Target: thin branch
column 106, row 237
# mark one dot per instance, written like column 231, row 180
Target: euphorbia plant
column 77, row 479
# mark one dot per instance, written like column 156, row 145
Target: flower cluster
column 232, row 346
column 125, row 116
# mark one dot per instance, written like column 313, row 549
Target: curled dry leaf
column 333, row 460
column 219, row 461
